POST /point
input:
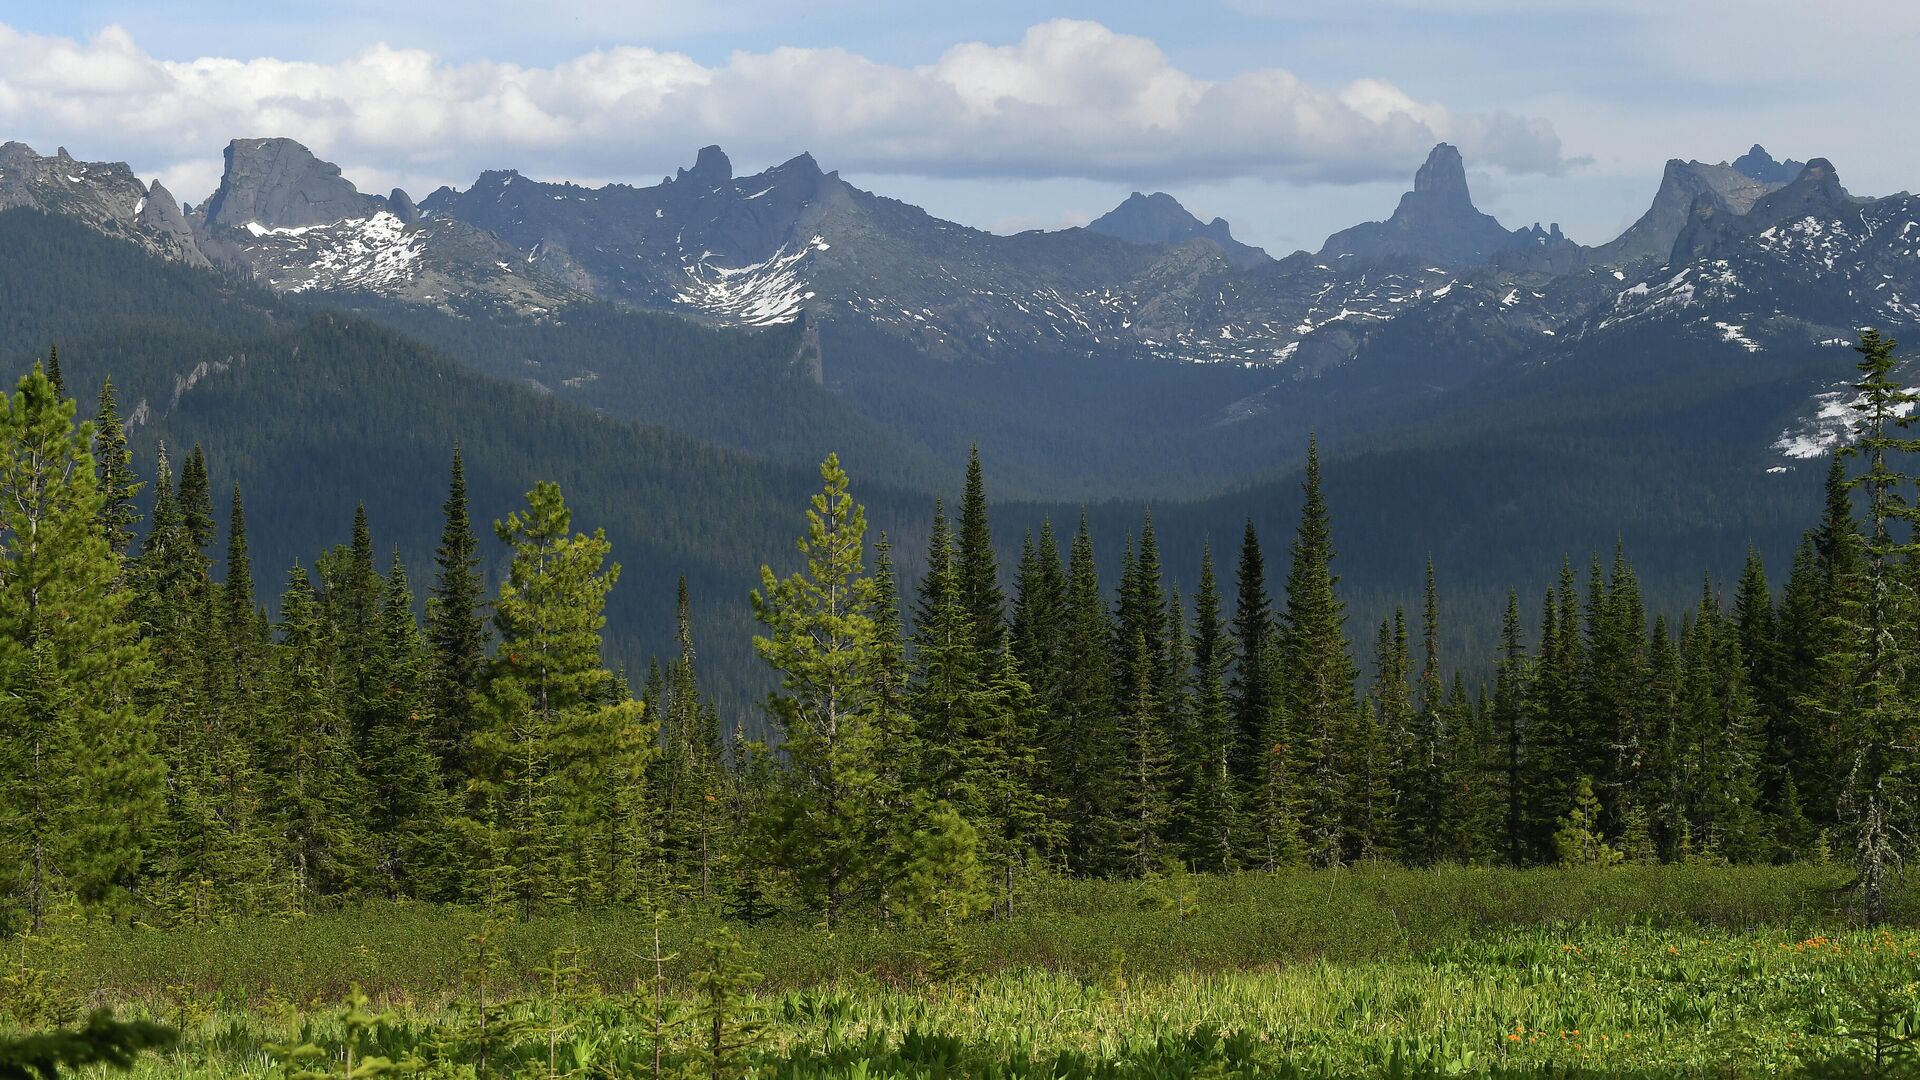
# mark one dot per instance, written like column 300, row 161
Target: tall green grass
column 1071, row 927
column 1651, row 972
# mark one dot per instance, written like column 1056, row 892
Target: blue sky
column 1290, row 119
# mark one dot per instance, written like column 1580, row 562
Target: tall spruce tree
column 80, row 790
column 456, row 631
column 1319, row 673
column 1088, row 754
column 1249, row 691
column 410, row 811
column 1511, row 698
column 1208, row 794
column 114, row 474
column 1878, row 716
column 317, row 799
column 977, row 566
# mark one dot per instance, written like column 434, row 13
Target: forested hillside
column 1498, row 483
column 313, row 412
column 935, row 739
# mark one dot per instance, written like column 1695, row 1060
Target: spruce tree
column 80, row 791
column 1087, row 754
column 978, row 567
column 1144, row 797
column 1249, row 692
column 456, row 632
column 53, row 373
column 1878, row 718
column 1037, row 646
column 1208, row 794
column 113, row 471
column 1512, row 696
column 1727, row 747
column 1319, row 673
column 950, row 674
column 409, row 811
column 317, row 799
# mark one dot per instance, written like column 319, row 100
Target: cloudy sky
column 1290, row 119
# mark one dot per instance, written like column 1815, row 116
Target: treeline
column 172, row 755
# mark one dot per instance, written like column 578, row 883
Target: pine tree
column 1208, row 795
column 409, row 810
column 822, row 639
column 977, row 567
column 550, row 735
column 1144, row 801
column 114, row 475
column 1512, row 696
column 80, row 790
column 53, row 373
column 1088, row 755
column 1319, row 673
column 1879, row 717
column 317, row 799
column 1579, row 841
column 1249, row 692
column 456, row 632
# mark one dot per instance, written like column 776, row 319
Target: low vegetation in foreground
column 1373, row 970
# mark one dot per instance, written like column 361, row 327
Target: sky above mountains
column 1289, row 119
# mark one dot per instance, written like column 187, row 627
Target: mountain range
column 1477, row 390
column 1147, row 279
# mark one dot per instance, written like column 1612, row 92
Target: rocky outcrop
column 1436, row 222
column 278, row 183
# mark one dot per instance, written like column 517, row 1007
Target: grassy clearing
column 1673, row 971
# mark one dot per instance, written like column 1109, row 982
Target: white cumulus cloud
column 1068, row 99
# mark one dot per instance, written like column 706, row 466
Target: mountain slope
column 313, row 411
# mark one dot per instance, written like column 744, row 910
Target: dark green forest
column 200, row 734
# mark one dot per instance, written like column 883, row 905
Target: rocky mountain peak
column 402, row 206
column 1436, row 221
column 1759, row 165
column 1443, row 178
column 711, row 166
column 279, row 183
column 1160, row 219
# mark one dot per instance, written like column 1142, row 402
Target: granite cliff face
column 279, row 184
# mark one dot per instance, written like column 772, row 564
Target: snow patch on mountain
column 1831, row 423
column 767, row 293
column 371, row 253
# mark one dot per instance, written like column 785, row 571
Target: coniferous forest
column 940, row 754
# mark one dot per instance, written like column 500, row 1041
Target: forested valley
column 181, row 756
column 194, row 744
